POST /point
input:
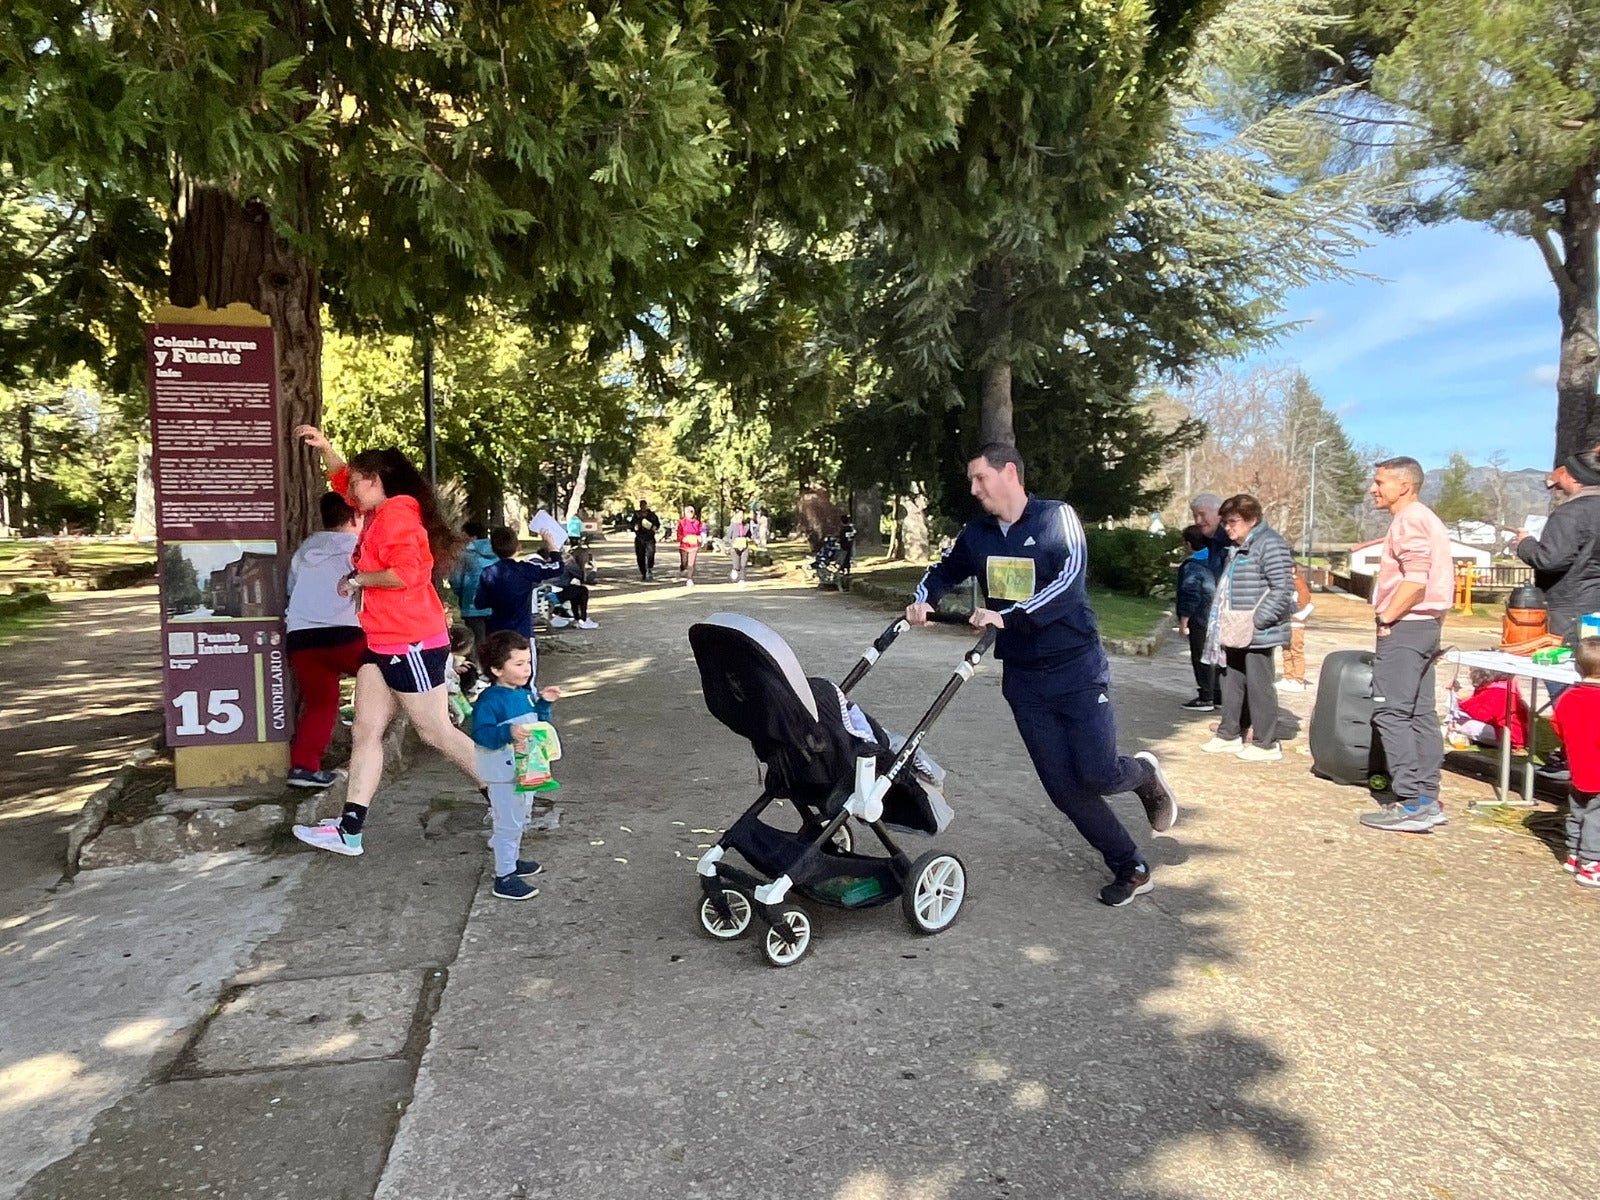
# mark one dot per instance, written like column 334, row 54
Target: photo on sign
column 221, row 581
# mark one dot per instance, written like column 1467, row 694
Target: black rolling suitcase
column 1344, row 747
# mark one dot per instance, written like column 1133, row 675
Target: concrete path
column 1301, row 1008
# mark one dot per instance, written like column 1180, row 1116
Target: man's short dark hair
column 336, row 513
column 1407, row 468
column 503, row 541
column 998, row 454
column 474, row 529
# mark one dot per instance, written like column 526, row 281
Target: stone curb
column 209, row 828
column 1144, row 647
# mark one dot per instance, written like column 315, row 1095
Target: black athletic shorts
column 417, row 670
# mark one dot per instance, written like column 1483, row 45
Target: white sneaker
column 1255, row 753
column 588, row 624
column 1221, row 745
column 1293, row 685
column 326, row 836
column 560, row 622
column 732, row 576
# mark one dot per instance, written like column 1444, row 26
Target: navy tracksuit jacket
column 1057, row 679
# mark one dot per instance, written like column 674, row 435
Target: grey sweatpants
column 1405, row 715
column 1583, row 826
column 510, row 810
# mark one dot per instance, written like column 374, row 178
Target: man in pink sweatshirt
column 1410, row 597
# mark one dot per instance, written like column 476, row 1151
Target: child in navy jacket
column 501, row 724
column 1197, row 584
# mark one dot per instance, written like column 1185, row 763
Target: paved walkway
column 1301, row 1008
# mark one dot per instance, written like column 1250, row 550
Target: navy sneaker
column 302, row 778
column 509, row 887
column 527, row 868
column 1134, row 881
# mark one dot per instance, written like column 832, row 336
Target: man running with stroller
column 1029, row 557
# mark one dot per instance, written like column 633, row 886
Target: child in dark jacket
column 502, row 722
column 506, row 586
column 1197, row 584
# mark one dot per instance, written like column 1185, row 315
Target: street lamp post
column 1311, row 504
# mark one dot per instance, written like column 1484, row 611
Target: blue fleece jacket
column 497, row 709
column 464, row 580
column 1033, row 575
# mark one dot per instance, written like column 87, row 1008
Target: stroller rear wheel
column 739, row 909
column 938, row 885
column 785, row 952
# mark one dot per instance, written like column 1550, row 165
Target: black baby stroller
column 832, row 762
column 832, row 564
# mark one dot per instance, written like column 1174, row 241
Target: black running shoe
column 1135, row 881
column 1199, row 704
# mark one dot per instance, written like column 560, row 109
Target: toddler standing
column 501, row 725
column 1577, row 724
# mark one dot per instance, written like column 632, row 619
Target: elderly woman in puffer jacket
column 1259, row 579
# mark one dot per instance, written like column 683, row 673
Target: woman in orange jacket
column 403, row 539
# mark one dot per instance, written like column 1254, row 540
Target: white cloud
column 1544, row 375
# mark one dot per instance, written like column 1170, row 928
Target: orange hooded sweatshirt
column 394, row 538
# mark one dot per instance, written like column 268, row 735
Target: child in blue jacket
column 501, row 723
column 1197, row 584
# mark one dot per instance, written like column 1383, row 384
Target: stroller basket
column 834, row 763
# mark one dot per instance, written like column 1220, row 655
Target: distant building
column 246, row 587
column 1477, row 533
column 1364, row 558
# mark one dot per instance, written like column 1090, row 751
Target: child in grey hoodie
column 325, row 638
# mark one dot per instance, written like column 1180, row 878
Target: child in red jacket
column 1577, row 724
column 1481, row 716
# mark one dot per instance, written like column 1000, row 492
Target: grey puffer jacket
column 1262, row 568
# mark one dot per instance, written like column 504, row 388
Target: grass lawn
column 29, row 561
column 1120, row 616
column 17, row 626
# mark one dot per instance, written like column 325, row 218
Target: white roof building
column 1364, row 558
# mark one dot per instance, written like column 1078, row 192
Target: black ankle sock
column 352, row 819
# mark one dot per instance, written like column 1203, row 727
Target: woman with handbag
column 1249, row 620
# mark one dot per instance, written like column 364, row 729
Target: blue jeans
column 1069, row 729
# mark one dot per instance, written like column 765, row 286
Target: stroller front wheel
column 724, row 929
column 785, row 952
column 932, row 899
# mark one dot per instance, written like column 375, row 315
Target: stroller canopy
column 796, row 724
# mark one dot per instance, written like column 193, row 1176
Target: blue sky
column 1453, row 347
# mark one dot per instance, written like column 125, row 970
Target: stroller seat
column 802, row 728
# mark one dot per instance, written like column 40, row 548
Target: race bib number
column 1010, row 579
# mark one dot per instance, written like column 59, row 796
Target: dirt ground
column 78, row 695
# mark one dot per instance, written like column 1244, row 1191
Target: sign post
column 216, row 464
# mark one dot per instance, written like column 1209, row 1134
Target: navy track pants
column 1071, row 735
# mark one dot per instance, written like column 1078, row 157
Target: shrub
column 1133, row 561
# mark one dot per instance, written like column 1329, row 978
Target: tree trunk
column 1577, row 278
column 914, row 543
column 144, row 497
column 28, row 505
column 994, row 327
column 224, row 251
column 867, row 506
column 579, row 485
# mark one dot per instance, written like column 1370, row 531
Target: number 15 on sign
column 223, row 713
